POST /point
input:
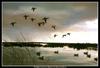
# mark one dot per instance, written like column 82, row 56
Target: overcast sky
column 78, row 18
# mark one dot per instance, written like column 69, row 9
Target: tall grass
column 17, row 56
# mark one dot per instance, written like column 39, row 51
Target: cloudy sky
column 78, row 18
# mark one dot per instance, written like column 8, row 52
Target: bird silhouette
column 53, row 26
column 41, row 58
column 38, row 53
column 68, row 33
column 85, row 53
column 43, row 23
column 95, row 59
column 88, row 55
column 55, row 35
column 33, row 9
column 32, row 19
column 64, row 35
column 45, row 19
column 39, row 24
column 76, row 55
column 26, row 16
column 56, row 52
column 13, row 23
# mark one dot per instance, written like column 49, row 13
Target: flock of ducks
column 32, row 19
column 88, row 55
column 42, row 23
column 42, row 57
column 56, row 52
column 55, row 35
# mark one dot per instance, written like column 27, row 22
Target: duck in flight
column 95, row 59
column 13, row 23
column 53, row 26
column 42, row 23
column 33, row 9
column 55, row 35
column 25, row 16
column 68, row 33
column 39, row 24
column 64, row 35
column 32, row 19
column 45, row 19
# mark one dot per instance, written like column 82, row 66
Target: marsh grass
column 13, row 55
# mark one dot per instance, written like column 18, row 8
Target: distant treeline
column 38, row 44
column 77, row 46
column 21, row 44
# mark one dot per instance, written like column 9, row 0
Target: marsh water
column 51, row 56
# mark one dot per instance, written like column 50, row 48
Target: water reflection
column 66, row 55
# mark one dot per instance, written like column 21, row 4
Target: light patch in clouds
column 92, row 24
column 86, row 26
column 75, row 37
